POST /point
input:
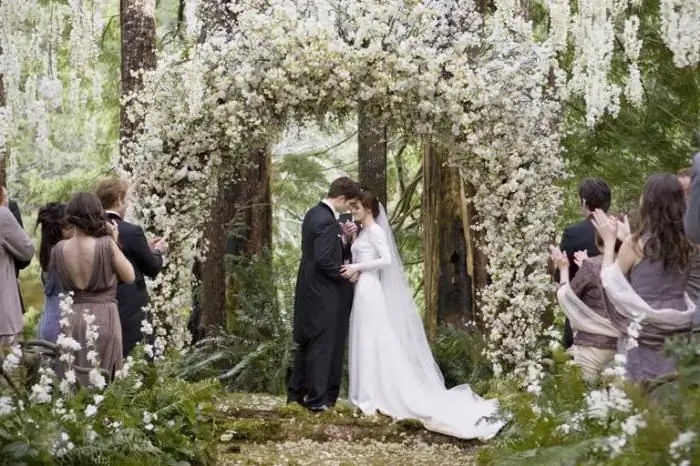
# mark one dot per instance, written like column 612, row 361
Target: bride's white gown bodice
column 382, row 378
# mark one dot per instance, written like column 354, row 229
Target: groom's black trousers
column 317, row 373
column 335, row 377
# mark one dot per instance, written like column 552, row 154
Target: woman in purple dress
column 51, row 218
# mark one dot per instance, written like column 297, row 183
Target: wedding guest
column 19, row 265
column 146, row 258
column 89, row 263
column 594, row 193
column 650, row 274
column 51, row 219
column 15, row 246
column 595, row 338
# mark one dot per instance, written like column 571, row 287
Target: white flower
column 90, row 410
column 6, row 405
column 12, row 359
column 96, row 379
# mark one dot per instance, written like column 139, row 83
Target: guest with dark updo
column 89, row 264
column 51, row 219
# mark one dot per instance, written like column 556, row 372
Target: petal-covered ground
column 262, row 430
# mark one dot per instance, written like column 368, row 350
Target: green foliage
column 459, row 353
column 543, row 431
column 150, row 414
column 658, row 136
column 253, row 353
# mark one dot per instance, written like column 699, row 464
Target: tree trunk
column 138, row 53
column 372, row 151
column 476, row 259
column 240, row 227
column 448, row 255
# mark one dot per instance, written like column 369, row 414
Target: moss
column 254, row 430
column 410, row 425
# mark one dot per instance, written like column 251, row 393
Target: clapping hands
column 559, row 258
column 610, row 228
column 579, row 257
column 158, row 244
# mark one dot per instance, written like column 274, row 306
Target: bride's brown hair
column 369, row 201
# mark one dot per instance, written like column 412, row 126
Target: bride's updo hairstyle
column 369, row 201
column 85, row 213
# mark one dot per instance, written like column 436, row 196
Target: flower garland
column 48, row 117
column 441, row 71
column 484, row 88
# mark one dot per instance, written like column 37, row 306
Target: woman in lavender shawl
column 648, row 279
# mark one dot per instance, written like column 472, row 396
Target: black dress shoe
column 318, row 409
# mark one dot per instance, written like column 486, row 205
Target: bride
column 392, row 369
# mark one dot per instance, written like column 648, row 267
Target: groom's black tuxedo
column 321, row 311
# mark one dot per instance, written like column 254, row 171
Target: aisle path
column 262, row 430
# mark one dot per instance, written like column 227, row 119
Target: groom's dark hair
column 344, row 186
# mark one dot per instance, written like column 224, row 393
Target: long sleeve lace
column 378, row 239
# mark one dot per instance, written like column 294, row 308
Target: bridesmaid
column 51, row 218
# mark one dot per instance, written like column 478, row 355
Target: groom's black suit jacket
column 132, row 297
column 319, row 288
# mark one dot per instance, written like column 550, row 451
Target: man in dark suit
column 593, row 193
column 321, row 309
column 145, row 256
column 14, row 208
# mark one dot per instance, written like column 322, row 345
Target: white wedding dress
column 392, row 369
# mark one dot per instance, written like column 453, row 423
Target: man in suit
column 593, row 193
column 19, row 265
column 321, row 308
column 145, row 256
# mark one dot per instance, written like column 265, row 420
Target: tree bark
column 452, row 267
column 240, row 227
column 138, row 54
column 372, row 152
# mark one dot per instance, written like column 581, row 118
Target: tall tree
column 372, row 151
column 452, row 266
column 240, row 224
column 240, row 228
column 138, row 54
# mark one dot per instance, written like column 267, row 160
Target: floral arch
column 475, row 86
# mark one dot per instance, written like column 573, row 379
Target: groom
column 322, row 303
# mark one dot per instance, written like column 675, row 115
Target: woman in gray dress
column 89, row 264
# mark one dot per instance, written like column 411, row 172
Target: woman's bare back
column 79, row 256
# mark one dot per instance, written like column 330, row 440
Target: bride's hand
column 355, row 277
column 347, row 271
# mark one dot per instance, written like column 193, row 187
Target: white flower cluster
column 681, row 447
column 50, row 114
